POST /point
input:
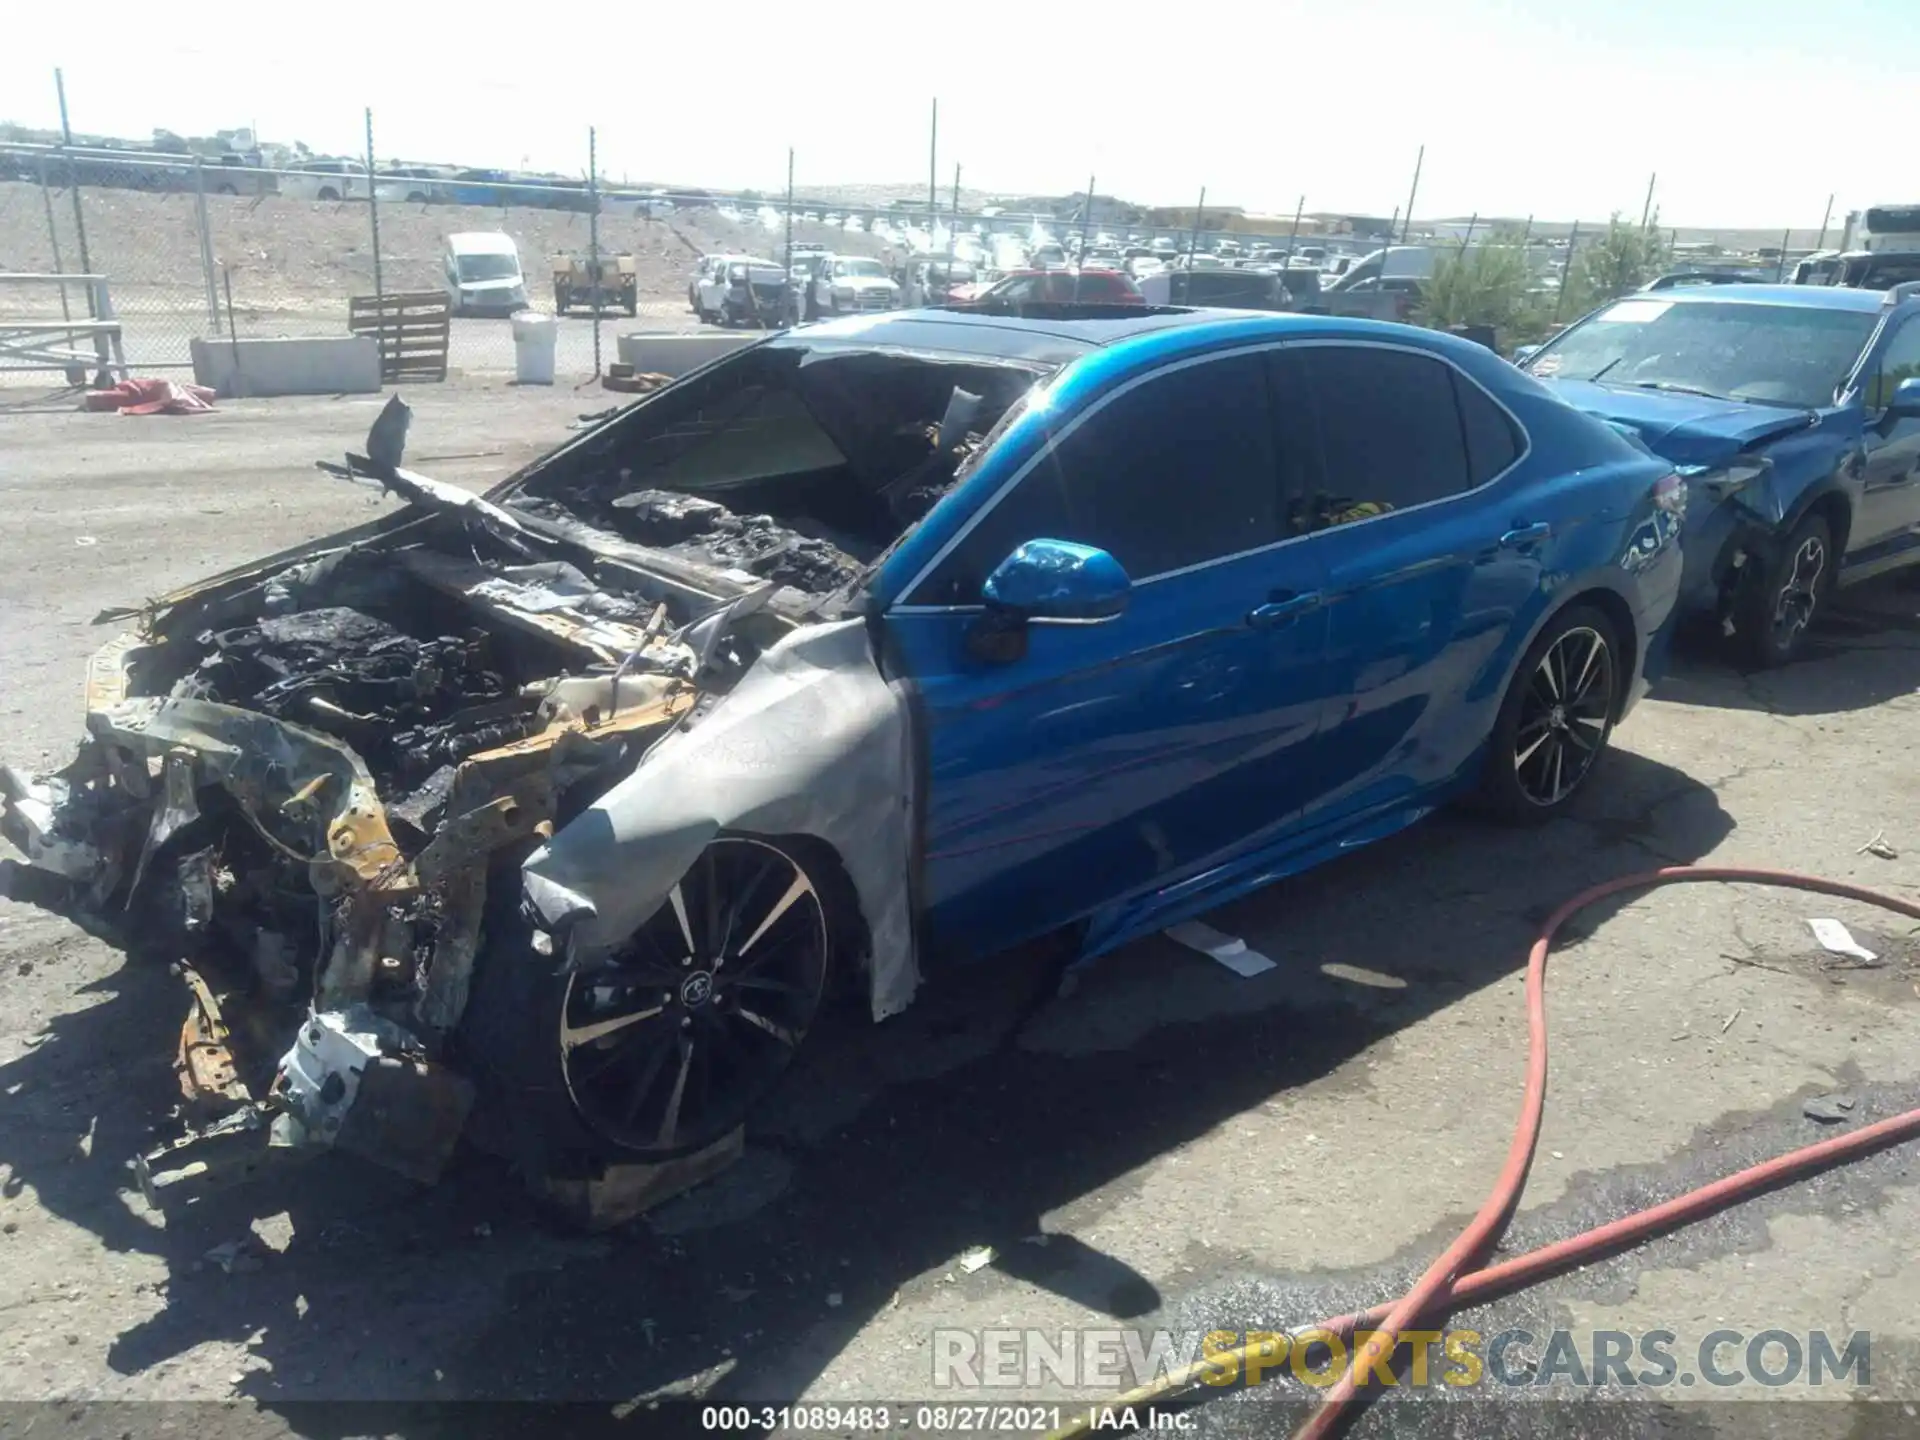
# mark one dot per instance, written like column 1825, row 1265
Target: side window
column 1899, row 361
column 1177, row 471
column 1390, row 431
column 1492, row 444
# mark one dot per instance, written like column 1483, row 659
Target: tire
column 327, row 192
column 1777, row 610
column 1546, row 746
column 662, row 1053
column 225, row 190
column 415, row 197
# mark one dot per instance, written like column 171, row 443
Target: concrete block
column 289, row 365
column 675, row 355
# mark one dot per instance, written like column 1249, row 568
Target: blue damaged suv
column 1794, row 413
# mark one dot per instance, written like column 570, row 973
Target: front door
column 1118, row 757
column 1884, row 527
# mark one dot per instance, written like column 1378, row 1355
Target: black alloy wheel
column 1557, row 717
column 1566, row 709
column 667, row 1051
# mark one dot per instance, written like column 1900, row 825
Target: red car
column 1051, row 287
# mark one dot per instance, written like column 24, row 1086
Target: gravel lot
column 1200, row 1149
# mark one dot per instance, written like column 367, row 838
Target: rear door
column 1120, row 757
column 1427, row 565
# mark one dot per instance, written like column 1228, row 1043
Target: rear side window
column 1492, row 444
column 1175, row 472
column 1390, row 430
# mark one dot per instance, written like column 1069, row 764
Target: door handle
column 1282, row 609
column 1524, row 535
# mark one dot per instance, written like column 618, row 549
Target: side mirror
column 1524, row 353
column 1058, row 580
column 1905, row 404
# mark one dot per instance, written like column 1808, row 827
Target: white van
column 481, row 269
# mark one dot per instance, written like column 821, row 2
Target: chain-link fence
column 191, row 249
column 218, row 247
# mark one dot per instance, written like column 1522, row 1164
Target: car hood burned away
column 356, row 787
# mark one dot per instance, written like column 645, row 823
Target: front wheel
column 1557, row 717
column 1777, row 611
column 671, row 1046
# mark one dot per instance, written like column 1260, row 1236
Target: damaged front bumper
column 366, row 1068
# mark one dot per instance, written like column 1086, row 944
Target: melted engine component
column 706, row 531
column 408, row 706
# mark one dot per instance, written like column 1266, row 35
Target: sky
column 1745, row 113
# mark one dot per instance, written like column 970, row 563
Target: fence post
column 373, row 207
column 206, row 243
column 53, row 239
column 1560, row 295
column 593, row 236
column 73, row 177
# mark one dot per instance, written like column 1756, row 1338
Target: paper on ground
column 1230, row 950
column 1835, row 937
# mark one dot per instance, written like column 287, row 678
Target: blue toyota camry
column 875, row 645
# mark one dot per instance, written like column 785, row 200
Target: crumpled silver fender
column 812, row 741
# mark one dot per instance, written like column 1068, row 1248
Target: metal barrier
column 34, row 337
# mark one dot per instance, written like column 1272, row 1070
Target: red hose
column 1444, row 1286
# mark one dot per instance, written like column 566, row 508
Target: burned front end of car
column 334, row 786
column 302, row 783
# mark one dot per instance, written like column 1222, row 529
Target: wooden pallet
column 411, row 331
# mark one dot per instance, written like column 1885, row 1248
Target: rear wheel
column 670, row 1047
column 1557, row 717
column 1778, row 609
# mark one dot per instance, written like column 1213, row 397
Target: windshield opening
column 1766, row 354
column 791, row 465
column 863, row 267
column 488, row 267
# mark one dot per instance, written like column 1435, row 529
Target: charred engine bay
column 413, row 680
column 785, row 465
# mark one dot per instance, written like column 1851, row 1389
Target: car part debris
column 1828, row 1109
column 1228, row 950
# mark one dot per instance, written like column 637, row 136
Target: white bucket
column 535, row 338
